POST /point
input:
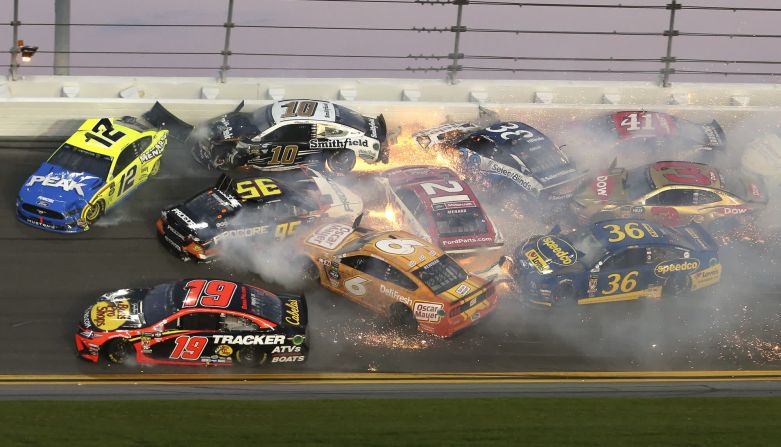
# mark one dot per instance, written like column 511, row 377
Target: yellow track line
column 393, row 378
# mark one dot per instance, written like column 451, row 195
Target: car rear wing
column 294, row 311
column 161, row 118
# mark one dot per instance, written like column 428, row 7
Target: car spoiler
column 161, row 118
column 290, row 313
column 717, row 141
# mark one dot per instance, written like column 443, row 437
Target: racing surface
column 49, row 279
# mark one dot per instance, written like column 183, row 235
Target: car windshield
column 460, row 222
column 638, row 182
column 265, row 305
column 675, row 237
column 589, row 248
column 545, row 159
column 160, row 302
column 79, row 160
column 208, row 204
column 441, row 274
column 262, row 118
column 350, row 118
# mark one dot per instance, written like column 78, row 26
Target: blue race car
column 506, row 154
column 98, row 166
column 615, row 260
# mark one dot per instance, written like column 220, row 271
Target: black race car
column 289, row 133
column 252, row 205
column 195, row 322
column 507, row 154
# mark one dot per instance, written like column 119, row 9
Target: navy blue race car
column 615, row 260
column 507, row 154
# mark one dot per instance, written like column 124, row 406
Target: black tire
column 250, row 356
column 401, row 317
column 310, row 273
column 341, row 161
column 676, row 285
column 94, row 212
column 563, row 295
column 118, row 351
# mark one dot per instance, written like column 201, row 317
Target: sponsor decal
column 755, row 191
column 393, row 293
column 696, row 237
column 176, row 233
column 173, row 244
column 185, row 218
column 676, row 265
column 342, row 143
column 223, row 351
column 241, row 233
column 706, row 277
column 150, row 154
column 730, row 210
column 592, row 285
column 372, row 127
column 512, row 174
column 603, row 186
column 248, row 340
column 466, row 240
column 712, row 136
column 287, row 358
column 66, row 184
column 638, row 210
column 463, row 289
column 40, row 223
column 556, row 250
column 537, row 260
column 293, row 315
column 330, row 236
column 650, row 230
column 110, row 315
column 475, row 316
column 44, row 201
column 430, row 312
column 557, row 174
column 286, row 349
column 227, row 131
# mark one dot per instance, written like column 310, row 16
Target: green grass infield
column 397, row 422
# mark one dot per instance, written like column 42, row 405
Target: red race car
column 441, row 208
column 195, row 322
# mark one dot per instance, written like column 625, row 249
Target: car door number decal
column 215, row 293
column 127, row 180
column 626, row 284
column 283, row 157
column 189, row 348
column 356, row 286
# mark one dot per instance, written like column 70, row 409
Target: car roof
column 415, row 178
column 78, row 139
column 664, row 173
column 324, row 111
column 517, row 139
column 298, row 181
column 649, row 229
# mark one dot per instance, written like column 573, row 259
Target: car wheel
column 94, row 212
column 250, row 356
column 563, row 295
column 155, row 168
column 341, row 161
column 676, row 285
column 118, row 351
column 309, row 271
column 401, row 317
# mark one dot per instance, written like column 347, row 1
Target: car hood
column 548, row 255
column 603, row 188
column 115, row 311
column 205, row 223
column 59, row 189
column 232, row 126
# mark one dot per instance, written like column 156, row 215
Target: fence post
column 62, row 36
column 455, row 56
column 226, row 50
column 670, row 33
column 14, row 65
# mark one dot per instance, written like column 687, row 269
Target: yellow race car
column 674, row 193
column 400, row 276
column 99, row 165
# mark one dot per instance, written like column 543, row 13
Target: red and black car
column 440, row 207
column 195, row 322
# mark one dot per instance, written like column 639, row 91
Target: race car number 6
column 355, row 286
column 398, row 246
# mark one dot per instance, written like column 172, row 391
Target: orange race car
column 400, row 276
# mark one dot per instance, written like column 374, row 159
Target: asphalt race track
column 48, row 280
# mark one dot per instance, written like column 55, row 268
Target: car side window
column 672, row 197
column 125, row 158
column 379, row 269
column 625, row 259
column 395, row 276
column 201, row 321
column 702, row 197
column 291, row 133
column 140, row 145
column 235, row 323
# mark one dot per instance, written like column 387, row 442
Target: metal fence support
column 62, row 37
column 226, row 50
column 14, row 65
column 670, row 33
column 454, row 67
